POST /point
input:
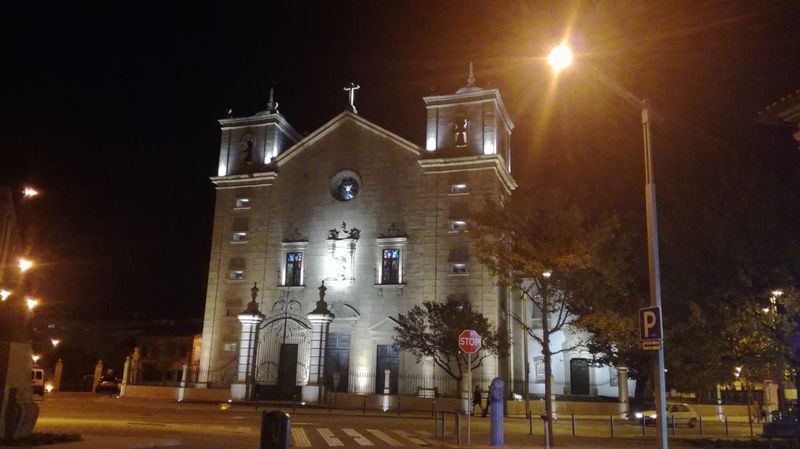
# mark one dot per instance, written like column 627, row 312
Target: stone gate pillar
column 622, row 389
column 242, row 389
column 320, row 319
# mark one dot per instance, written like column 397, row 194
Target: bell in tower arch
column 461, row 124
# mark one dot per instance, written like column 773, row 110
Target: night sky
column 111, row 111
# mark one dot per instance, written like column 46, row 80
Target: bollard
column 751, row 426
column 458, row 427
column 442, row 413
column 398, row 405
column 435, row 426
column 673, row 425
column 644, row 425
column 330, row 404
column 275, row 430
column 433, row 409
column 726, row 425
column 700, row 422
column 612, row 426
column 365, row 405
column 573, row 424
column 530, row 423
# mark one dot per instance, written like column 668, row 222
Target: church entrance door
column 387, row 358
column 287, row 367
column 579, row 376
column 337, row 362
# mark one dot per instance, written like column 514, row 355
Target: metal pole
column 751, row 426
column 398, row 405
column 700, row 421
column 546, row 435
column 365, row 405
column 442, row 426
column 435, row 425
column 726, row 426
column 644, row 426
column 530, row 423
column 612, row 426
column 654, row 274
column 673, row 425
column 573, row 424
column 469, row 415
column 526, row 365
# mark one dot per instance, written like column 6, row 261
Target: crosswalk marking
column 358, row 437
column 327, row 435
column 385, row 438
column 300, row 438
column 426, row 434
column 411, row 438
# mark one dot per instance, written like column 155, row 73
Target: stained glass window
column 390, row 268
column 294, row 268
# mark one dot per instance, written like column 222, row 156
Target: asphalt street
column 111, row 422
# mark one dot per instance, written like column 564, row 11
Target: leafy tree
column 545, row 246
column 432, row 328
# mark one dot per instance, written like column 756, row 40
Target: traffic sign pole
column 469, row 341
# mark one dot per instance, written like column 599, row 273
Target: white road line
column 360, row 439
column 433, row 441
column 385, row 438
column 299, row 438
column 411, row 438
column 327, row 435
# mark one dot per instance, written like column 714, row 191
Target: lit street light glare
column 32, row 303
column 55, row 342
column 35, row 357
column 4, row 294
column 29, row 192
column 24, row 264
column 560, row 58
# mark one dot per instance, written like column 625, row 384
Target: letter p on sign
column 650, row 323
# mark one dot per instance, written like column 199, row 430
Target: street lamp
column 4, row 294
column 55, row 342
column 559, row 59
column 24, row 264
column 31, row 303
column 29, row 192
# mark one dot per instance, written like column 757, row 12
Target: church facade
column 318, row 241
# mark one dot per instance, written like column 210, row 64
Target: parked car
column 107, row 384
column 683, row 414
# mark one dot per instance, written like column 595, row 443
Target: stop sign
column 469, row 341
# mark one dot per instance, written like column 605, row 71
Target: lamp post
column 560, row 58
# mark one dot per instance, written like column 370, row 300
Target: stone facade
column 278, row 197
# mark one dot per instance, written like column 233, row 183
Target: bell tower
column 472, row 121
column 250, row 144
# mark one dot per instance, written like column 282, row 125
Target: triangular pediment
column 383, row 327
column 334, row 124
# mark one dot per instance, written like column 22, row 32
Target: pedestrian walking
column 476, row 399
column 488, row 403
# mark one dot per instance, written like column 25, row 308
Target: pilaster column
column 320, row 319
column 249, row 319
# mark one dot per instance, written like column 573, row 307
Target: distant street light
column 29, row 192
column 24, row 264
column 547, row 274
column 55, row 342
column 560, row 58
column 35, row 357
column 32, row 303
column 4, row 294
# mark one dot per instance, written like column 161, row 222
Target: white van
column 37, row 381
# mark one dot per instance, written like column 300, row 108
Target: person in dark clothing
column 476, row 400
column 488, row 402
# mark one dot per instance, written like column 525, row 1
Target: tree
column 542, row 244
column 432, row 328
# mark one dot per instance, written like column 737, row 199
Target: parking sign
column 650, row 324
